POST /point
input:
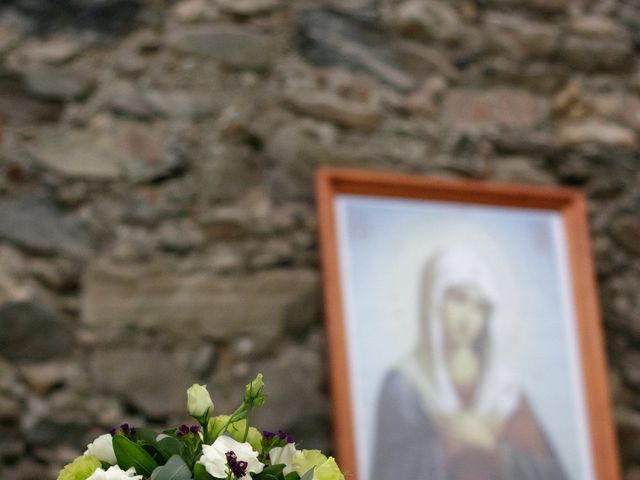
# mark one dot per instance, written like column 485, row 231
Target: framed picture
column 463, row 329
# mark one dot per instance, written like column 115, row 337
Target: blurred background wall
column 157, row 225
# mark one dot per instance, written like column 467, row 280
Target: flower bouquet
column 223, row 447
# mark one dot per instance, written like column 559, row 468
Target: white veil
column 498, row 393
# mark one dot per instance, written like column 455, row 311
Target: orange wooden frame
column 569, row 202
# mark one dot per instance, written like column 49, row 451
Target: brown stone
column 598, row 133
column 157, row 297
column 234, row 47
column 521, row 38
column 520, row 170
column 474, row 109
column 150, row 379
column 326, row 106
column 248, row 7
column 628, row 429
column 54, row 50
column 43, row 377
column 591, row 54
column 626, row 230
column 57, row 83
column 427, row 20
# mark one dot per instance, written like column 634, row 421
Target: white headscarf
column 497, row 394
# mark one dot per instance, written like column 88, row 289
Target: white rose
column 199, row 401
column 102, row 449
column 283, row 456
column 115, row 473
column 214, row 456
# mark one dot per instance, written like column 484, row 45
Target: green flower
column 80, row 469
column 305, row 460
column 253, row 392
column 328, row 471
column 254, row 437
column 217, row 425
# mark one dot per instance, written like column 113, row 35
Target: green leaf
column 200, row 473
column 292, row 476
column 152, row 450
column 130, row 454
column 146, row 435
column 174, row 469
column 274, row 470
column 263, row 476
column 170, row 446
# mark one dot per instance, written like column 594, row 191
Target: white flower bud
column 199, row 402
column 102, row 449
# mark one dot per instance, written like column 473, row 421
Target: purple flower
column 125, row 429
column 285, row 436
column 238, row 468
column 195, row 429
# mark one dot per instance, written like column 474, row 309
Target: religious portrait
column 460, row 340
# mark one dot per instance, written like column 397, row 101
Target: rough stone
column 626, row 230
column 26, row 470
column 331, row 38
column 598, row 133
column 541, row 6
column 92, row 154
column 326, row 106
column 628, row 423
column 37, row 225
column 139, row 375
column 104, row 16
column 192, row 10
column 9, row 38
column 180, row 104
column 226, row 172
column 53, row 50
column 521, row 38
column 153, row 155
column 44, row 377
column 471, row 109
column 48, row 431
column 520, row 170
column 10, row 409
column 57, row 83
column 596, row 26
column 131, row 150
column 246, row 8
column 32, row 332
column 156, row 297
column 124, row 98
column 180, row 237
column 591, row 54
column 11, row 446
column 427, row 20
column 232, row 46
column 18, row 106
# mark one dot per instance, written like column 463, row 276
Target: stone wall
column 157, row 224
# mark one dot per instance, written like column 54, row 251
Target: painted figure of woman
column 453, row 410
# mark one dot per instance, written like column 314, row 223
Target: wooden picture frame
column 331, row 184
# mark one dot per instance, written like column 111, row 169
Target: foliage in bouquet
column 223, row 447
